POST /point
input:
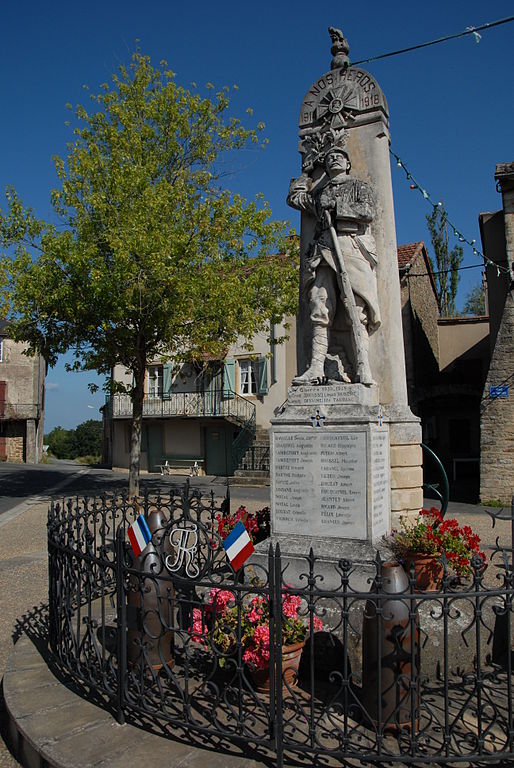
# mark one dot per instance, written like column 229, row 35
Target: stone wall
column 14, row 435
column 497, row 413
column 23, row 381
column 420, row 313
column 497, row 416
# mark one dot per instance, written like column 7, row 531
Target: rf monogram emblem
column 185, row 543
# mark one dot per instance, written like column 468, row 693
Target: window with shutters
column 247, row 377
column 154, row 381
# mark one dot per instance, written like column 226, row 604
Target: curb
column 50, row 726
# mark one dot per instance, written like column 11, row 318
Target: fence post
column 121, row 621
column 276, row 597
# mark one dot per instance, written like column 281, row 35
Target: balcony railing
column 18, row 411
column 195, row 404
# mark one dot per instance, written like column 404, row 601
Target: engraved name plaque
column 381, row 482
column 319, row 483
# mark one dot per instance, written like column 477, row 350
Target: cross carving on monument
column 318, row 420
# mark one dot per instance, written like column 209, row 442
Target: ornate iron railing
column 216, row 403
column 256, row 458
column 243, row 442
column 393, row 674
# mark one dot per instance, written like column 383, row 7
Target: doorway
column 216, row 450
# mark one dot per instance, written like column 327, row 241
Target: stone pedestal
column 330, row 471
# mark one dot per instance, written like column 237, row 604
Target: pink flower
column 261, row 635
column 256, row 658
column 220, row 598
column 199, row 629
column 317, row 624
column 254, row 616
column 291, row 605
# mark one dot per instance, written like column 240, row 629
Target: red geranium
column 432, row 534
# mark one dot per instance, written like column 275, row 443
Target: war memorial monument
column 345, row 448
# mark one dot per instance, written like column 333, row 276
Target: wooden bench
column 193, row 463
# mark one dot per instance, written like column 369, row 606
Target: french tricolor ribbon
column 139, row 535
column 238, row 546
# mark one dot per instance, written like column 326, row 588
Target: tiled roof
column 408, row 252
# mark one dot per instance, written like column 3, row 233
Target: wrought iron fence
column 300, row 657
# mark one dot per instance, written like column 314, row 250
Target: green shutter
column 229, row 378
column 262, row 373
column 167, row 380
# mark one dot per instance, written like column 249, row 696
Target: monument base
column 330, row 471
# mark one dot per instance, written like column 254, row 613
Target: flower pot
column 291, row 655
column 428, row 571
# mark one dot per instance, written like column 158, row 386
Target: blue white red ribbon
column 238, row 546
column 139, row 535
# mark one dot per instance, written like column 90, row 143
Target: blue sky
column 451, row 106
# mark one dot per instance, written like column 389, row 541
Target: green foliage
column 61, row 443
column 89, row 459
column 84, row 440
column 447, row 262
column 153, row 258
column 475, row 301
column 493, row 503
column 88, row 437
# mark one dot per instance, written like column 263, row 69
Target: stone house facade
column 420, row 312
column 22, row 389
column 497, row 401
column 446, row 363
column 209, row 414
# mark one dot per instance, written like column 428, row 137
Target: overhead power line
column 468, row 31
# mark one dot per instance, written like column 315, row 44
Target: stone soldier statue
column 340, row 263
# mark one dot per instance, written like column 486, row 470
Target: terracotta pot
column 428, row 571
column 291, row 655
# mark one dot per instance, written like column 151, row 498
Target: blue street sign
column 500, row 391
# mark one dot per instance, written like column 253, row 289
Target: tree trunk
column 138, row 394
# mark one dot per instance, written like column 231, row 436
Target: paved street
column 21, row 481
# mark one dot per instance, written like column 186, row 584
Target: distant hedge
column 84, row 440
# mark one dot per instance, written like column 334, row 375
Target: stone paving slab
column 50, row 725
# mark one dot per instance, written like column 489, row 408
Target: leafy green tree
column 62, row 443
column 447, row 261
column 152, row 258
column 475, row 301
column 88, row 438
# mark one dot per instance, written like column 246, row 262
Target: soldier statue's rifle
column 357, row 330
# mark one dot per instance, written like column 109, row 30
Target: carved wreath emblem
column 337, row 106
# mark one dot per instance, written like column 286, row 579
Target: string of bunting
column 414, row 184
column 445, row 271
column 468, row 31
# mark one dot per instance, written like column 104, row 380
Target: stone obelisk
column 346, row 448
